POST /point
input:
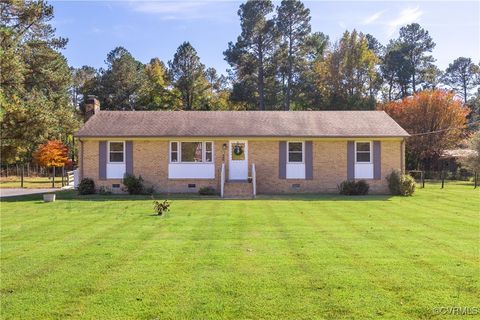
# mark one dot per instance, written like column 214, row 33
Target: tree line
column 277, row 62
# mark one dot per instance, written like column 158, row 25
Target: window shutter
column 129, row 157
column 102, row 160
column 308, row 160
column 377, row 160
column 282, row 160
column 350, row 160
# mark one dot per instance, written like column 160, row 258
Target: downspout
column 81, row 160
column 402, row 153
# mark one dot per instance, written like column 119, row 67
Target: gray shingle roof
column 241, row 124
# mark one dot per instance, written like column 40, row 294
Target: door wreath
column 238, row 150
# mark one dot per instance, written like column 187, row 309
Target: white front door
column 238, row 160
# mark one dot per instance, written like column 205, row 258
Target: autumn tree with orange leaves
column 52, row 154
column 435, row 119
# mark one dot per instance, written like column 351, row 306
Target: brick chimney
column 92, row 106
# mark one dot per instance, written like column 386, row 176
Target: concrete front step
column 238, row 190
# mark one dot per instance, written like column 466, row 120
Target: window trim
column 204, row 151
column 108, row 152
column 179, row 152
column 303, row 152
column 371, row 153
column 170, row 152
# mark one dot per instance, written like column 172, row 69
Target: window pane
column 116, row 156
column 174, row 146
column 363, row 146
column 208, row 146
column 191, row 151
column 174, row 157
column 294, row 157
column 363, row 157
column 116, row 146
column 295, row 146
column 208, row 156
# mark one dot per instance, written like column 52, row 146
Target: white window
column 295, row 152
column 208, row 151
column 191, row 151
column 116, row 152
column 363, row 152
column 174, row 151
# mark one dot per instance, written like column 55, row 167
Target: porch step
column 238, row 189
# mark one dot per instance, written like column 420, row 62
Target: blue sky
column 156, row 28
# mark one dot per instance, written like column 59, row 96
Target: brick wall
column 150, row 158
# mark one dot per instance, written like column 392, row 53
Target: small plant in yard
column 354, row 188
column 86, row 186
column 161, row 207
column 133, row 184
column 401, row 184
column 207, row 191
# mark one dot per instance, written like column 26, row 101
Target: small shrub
column 161, row 207
column 407, row 186
column 362, row 187
column 133, row 185
column 401, row 184
column 354, row 188
column 207, row 191
column 104, row 190
column 394, row 181
column 86, row 186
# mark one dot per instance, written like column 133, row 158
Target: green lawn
column 322, row 257
column 29, row 182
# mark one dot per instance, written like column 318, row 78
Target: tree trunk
column 290, row 72
column 390, row 88
column 414, row 83
column 261, row 80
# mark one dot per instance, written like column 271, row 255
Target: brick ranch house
column 240, row 152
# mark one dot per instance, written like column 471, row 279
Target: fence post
column 423, row 179
column 23, row 173
column 53, row 177
column 443, row 178
column 475, row 181
column 63, row 176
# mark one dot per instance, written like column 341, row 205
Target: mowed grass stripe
column 424, row 265
column 358, row 273
column 53, row 232
column 113, row 273
column 406, row 228
column 362, row 228
column 54, row 259
column 302, row 257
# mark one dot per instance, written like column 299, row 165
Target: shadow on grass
column 72, row 195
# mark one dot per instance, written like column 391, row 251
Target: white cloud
column 177, row 10
column 374, row 17
column 406, row 16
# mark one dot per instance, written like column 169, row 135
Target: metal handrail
column 222, row 179
column 254, row 180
